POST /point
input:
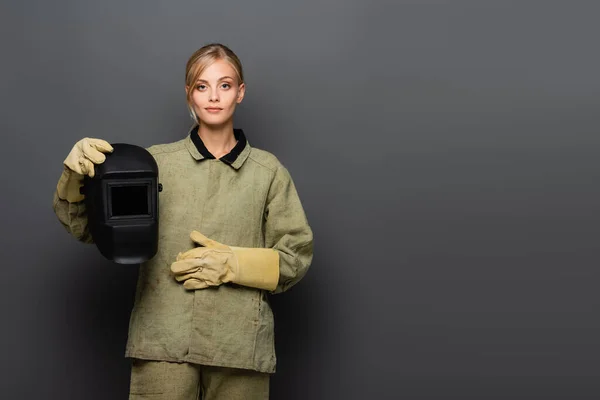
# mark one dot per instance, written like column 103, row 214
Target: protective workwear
column 245, row 199
column 122, row 205
column 216, row 263
column 161, row 380
column 80, row 162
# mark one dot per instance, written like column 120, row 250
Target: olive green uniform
column 245, row 199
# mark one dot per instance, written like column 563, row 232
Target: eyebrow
column 220, row 79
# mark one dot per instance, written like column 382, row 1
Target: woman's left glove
column 86, row 153
column 216, row 263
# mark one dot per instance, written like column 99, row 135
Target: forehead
column 217, row 70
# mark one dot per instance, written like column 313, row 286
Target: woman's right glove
column 80, row 162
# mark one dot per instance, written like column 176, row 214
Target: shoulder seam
column 272, row 169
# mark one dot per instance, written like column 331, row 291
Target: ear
column 241, row 92
column 187, row 89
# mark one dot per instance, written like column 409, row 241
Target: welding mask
column 122, row 204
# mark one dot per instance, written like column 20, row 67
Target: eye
column 201, row 87
column 225, row 85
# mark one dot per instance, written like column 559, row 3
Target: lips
column 213, row 109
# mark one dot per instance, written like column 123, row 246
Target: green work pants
column 160, row 380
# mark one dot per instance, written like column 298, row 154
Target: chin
column 215, row 119
column 214, row 122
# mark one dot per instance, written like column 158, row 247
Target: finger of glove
column 91, row 153
column 187, row 266
column 213, row 274
column 206, row 242
column 210, row 270
column 87, row 167
column 210, row 277
column 101, row 145
column 193, row 284
column 207, row 258
column 197, row 252
column 185, row 277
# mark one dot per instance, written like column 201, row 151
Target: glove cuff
column 257, row 267
column 68, row 186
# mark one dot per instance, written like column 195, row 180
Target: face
column 216, row 94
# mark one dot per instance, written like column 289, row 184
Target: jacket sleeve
column 287, row 230
column 73, row 217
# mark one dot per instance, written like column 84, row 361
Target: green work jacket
column 248, row 201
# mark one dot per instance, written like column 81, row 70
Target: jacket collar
column 235, row 158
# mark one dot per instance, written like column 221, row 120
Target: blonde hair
column 200, row 60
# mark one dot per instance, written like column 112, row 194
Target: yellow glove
column 216, row 263
column 80, row 162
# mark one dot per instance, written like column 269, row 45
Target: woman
column 232, row 229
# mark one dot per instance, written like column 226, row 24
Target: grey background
column 446, row 153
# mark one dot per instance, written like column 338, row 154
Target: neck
column 219, row 140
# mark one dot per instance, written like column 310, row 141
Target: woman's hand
column 216, row 263
column 80, row 162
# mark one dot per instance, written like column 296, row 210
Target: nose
column 214, row 95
